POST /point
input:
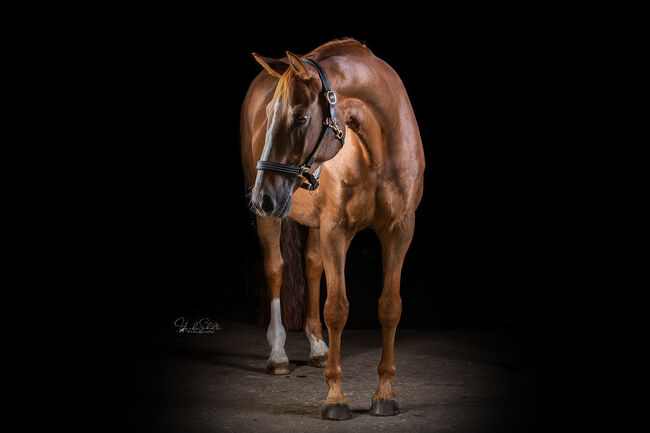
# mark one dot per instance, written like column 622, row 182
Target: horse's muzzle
column 270, row 205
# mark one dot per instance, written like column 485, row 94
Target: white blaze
column 267, row 142
column 269, row 132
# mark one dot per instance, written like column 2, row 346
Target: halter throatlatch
column 329, row 127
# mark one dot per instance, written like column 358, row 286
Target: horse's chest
column 353, row 206
column 359, row 207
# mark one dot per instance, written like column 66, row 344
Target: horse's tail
column 293, row 291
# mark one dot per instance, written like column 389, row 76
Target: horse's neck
column 373, row 102
column 365, row 78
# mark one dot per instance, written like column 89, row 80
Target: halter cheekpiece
column 329, row 127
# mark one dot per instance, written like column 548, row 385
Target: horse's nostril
column 267, row 203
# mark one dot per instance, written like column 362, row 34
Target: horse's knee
column 335, row 311
column 313, row 257
column 390, row 310
column 273, row 265
column 313, row 264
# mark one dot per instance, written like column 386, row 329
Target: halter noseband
column 329, row 127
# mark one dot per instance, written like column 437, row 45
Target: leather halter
column 329, row 126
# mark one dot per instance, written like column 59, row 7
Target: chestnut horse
column 347, row 112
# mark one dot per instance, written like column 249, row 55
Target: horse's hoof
column 336, row 412
column 384, row 407
column 277, row 368
column 318, row 361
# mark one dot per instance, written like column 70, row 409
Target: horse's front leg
column 334, row 245
column 313, row 328
column 395, row 241
column 269, row 231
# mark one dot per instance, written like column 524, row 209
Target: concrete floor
column 447, row 381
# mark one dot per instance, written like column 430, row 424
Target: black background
column 494, row 231
column 487, row 249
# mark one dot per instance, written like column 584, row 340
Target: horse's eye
column 301, row 119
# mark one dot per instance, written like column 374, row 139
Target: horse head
column 298, row 140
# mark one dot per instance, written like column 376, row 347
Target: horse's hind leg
column 313, row 328
column 269, row 233
column 395, row 240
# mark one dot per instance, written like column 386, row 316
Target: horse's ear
column 274, row 67
column 298, row 65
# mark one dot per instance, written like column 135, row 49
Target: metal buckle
column 311, row 189
column 330, row 94
column 337, row 131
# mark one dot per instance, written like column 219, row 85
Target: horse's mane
column 334, row 47
column 328, row 49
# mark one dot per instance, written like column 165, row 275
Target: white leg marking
column 318, row 347
column 276, row 334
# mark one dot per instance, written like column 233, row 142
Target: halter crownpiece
column 329, row 126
